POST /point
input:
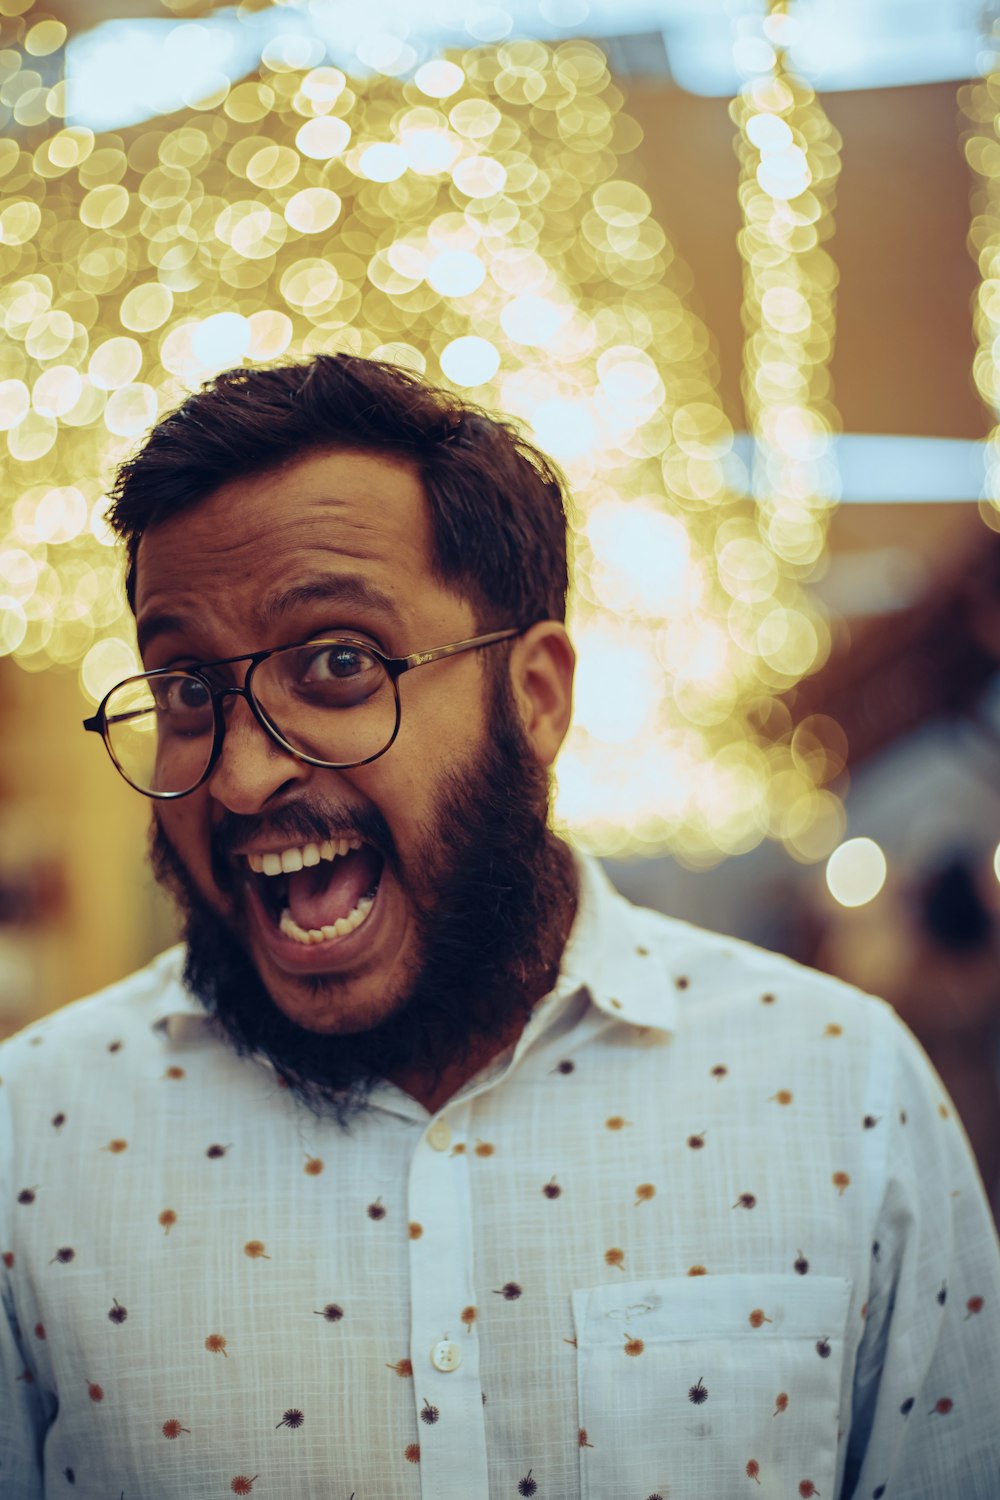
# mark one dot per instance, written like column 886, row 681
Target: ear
column 541, row 668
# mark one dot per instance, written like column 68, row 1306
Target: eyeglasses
column 331, row 702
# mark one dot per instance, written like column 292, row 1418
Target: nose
column 252, row 769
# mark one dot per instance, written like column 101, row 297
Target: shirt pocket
column 710, row 1386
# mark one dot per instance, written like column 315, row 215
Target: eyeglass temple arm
column 95, row 724
column 420, row 658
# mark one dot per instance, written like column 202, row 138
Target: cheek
column 186, row 825
column 406, row 783
column 442, row 730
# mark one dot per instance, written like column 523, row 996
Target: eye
column 327, row 674
column 335, row 663
column 181, row 695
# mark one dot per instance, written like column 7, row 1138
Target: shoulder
column 123, row 1013
column 716, row 981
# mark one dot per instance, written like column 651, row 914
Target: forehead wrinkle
column 350, row 589
column 344, row 528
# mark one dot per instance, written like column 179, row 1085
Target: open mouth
column 315, row 892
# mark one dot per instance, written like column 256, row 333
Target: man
column 430, row 1166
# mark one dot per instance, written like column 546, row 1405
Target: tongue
column 318, row 896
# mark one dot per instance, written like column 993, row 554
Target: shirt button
column 439, row 1135
column 446, row 1356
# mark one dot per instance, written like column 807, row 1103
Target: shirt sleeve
column 22, row 1420
column 927, row 1382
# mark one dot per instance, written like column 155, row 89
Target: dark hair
column 497, row 505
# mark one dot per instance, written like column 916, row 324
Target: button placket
column 444, row 1354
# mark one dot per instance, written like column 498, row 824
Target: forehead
column 334, row 515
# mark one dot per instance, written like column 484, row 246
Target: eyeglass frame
column 394, row 667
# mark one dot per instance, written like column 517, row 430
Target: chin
column 332, row 1004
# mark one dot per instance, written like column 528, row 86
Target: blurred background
column 736, row 265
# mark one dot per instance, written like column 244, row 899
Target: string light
column 480, row 221
column 980, row 102
column 789, row 165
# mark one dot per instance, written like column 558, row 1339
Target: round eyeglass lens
column 160, row 731
column 333, row 700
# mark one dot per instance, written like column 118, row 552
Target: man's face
column 241, row 571
column 340, row 543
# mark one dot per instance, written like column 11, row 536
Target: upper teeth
column 303, row 855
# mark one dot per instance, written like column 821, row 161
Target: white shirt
column 711, row 1229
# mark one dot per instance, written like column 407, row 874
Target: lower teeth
column 340, row 928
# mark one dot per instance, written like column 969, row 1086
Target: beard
column 493, row 894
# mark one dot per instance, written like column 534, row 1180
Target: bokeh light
column 855, row 872
column 478, row 218
column 979, row 102
column 790, row 162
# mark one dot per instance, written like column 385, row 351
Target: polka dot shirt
column 711, row 1228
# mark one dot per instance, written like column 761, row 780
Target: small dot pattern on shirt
column 645, row 1258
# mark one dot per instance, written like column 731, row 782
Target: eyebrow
column 344, row 589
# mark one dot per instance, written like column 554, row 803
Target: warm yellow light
column 456, row 273
column 57, row 390
column 13, row 624
column 106, row 663
column 982, row 152
column 44, row 38
column 114, row 363
column 61, row 515
column 439, row 79
column 642, row 557
column 322, row 87
column 313, row 210
column 855, row 872
column 15, row 401
column 789, row 164
column 470, row 361
column 477, row 221
column 382, row 162
column 768, row 132
column 532, row 320
column 270, row 334
column 564, row 428
column 429, row 150
column 146, row 307
column 131, row 410
column 613, row 689
column 19, row 221
column 784, row 174
column 475, row 118
column 480, row 176
column 103, row 207
column 323, row 138
column 221, row 340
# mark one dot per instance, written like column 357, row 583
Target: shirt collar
column 186, row 1021
column 606, row 954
